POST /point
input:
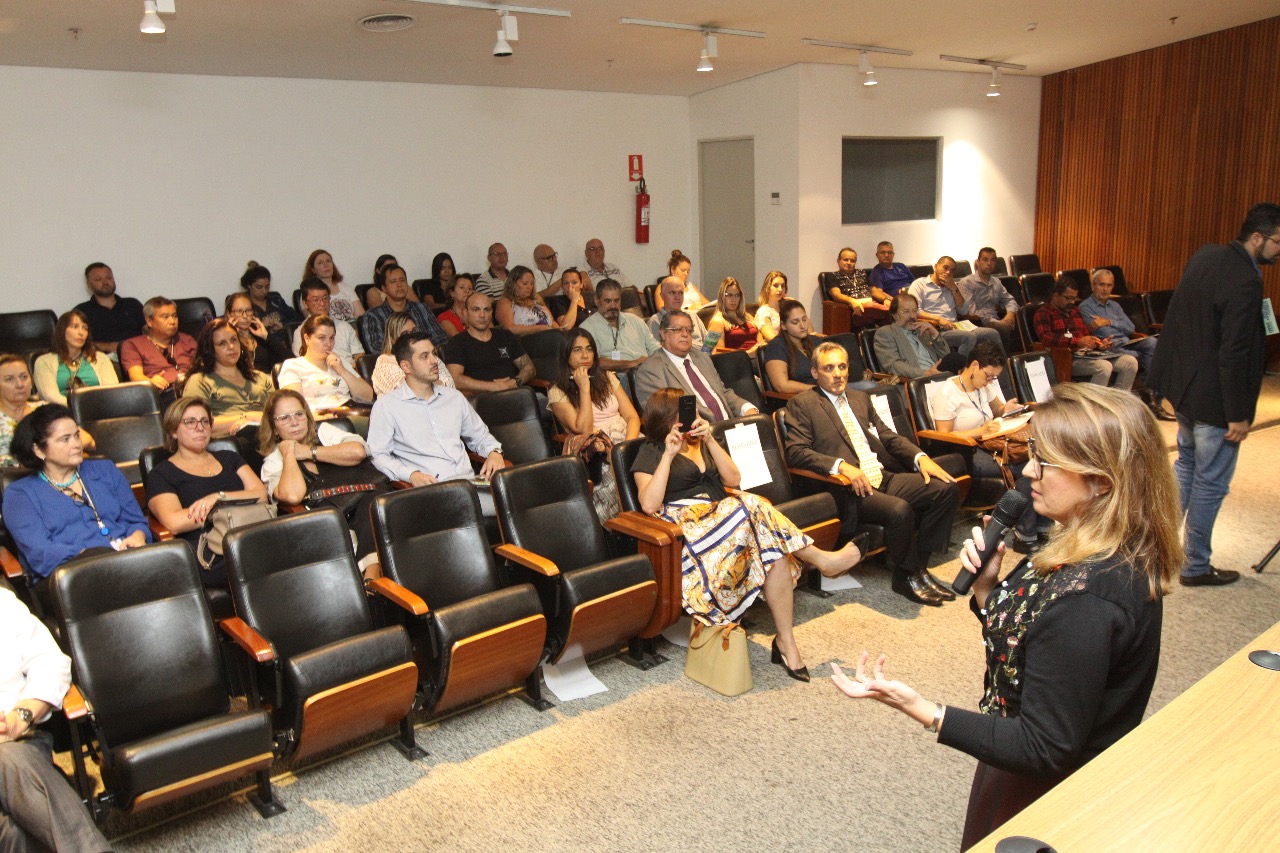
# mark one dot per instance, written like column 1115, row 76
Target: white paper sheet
column 1039, row 378
column 571, row 679
column 1011, row 425
column 744, row 446
column 931, row 389
column 844, row 581
column 678, row 634
column 881, row 404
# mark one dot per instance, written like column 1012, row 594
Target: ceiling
column 591, row 50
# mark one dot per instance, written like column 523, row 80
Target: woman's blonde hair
column 1111, row 439
column 395, row 327
column 267, row 437
column 733, row 318
column 771, row 279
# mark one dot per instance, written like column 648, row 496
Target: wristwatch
column 26, row 715
column 222, row 494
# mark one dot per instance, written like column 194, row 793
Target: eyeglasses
column 991, row 377
column 291, row 417
column 243, row 312
column 550, row 257
column 192, row 423
column 681, row 330
column 1033, row 456
column 1274, row 238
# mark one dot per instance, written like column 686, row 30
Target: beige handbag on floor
column 718, row 658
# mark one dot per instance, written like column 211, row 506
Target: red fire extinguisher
column 642, row 213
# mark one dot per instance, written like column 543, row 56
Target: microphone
column 1006, row 514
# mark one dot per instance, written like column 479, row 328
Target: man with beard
column 622, row 339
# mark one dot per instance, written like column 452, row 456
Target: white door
column 727, row 184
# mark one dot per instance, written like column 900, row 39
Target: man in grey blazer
column 679, row 365
column 901, row 487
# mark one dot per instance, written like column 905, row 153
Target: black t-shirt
column 685, row 480
column 488, row 360
column 112, row 325
column 167, row 478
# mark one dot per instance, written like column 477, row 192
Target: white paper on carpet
column 844, row 581
column 571, row 679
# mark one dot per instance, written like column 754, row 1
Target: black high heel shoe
column 801, row 674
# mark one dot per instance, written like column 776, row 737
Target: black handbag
column 342, row 486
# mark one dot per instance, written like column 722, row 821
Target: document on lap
column 748, row 455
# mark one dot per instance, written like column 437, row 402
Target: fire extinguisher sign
column 635, row 167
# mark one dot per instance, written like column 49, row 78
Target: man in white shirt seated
column 597, row 270
column 420, row 432
column 346, row 343
column 679, row 365
column 38, row 809
column 942, row 304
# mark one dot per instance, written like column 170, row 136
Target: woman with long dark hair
column 266, row 349
column 223, row 375
column 788, row 358
column 74, row 362
column 268, row 306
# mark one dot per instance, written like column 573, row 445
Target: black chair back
column 296, row 299
column 1014, row 287
column 1019, row 367
column 651, row 298
column 621, row 457
column 1156, row 303
column 920, row 270
column 193, row 313
column 852, row 343
column 632, row 300
column 1038, row 286
column 1081, row 278
column 538, row 504
column 867, row 343
column 150, row 457
column 918, row 390
column 1021, row 265
column 1027, row 324
column 1122, row 286
column 543, row 349
column 138, row 628
column 105, row 402
column 734, row 369
column 778, row 490
column 706, row 312
column 362, row 293
column 1001, row 268
column 513, row 418
column 963, row 269
column 627, row 381
column 23, row 331
column 294, row 579
column 123, row 420
column 365, row 362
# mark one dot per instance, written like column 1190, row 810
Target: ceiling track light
column 864, row 61
column 496, row 7
column 993, row 89
column 868, row 73
column 709, row 51
column 709, row 33
column 507, row 33
column 151, row 22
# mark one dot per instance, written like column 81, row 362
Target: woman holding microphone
column 1072, row 634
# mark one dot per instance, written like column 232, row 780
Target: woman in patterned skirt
column 735, row 546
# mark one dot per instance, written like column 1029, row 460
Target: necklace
column 62, row 487
column 66, row 489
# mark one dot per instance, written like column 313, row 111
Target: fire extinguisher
column 642, row 213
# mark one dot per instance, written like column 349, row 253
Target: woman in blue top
column 69, row 504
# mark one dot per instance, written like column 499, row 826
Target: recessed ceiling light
column 386, row 23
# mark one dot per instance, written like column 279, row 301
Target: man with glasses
column 941, row 304
column 1060, row 324
column 315, row 301
column 597, row 270
column 1209, row 364
column 680, row 365
column 161, row 355
column 622, row 339
column 1108, row 321
column 494, row 278
column 546, row 261
column 671, row 292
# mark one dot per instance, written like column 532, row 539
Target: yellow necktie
column 867, row 459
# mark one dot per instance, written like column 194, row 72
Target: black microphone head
column 1010, row 508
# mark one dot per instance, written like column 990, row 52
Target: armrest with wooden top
column 12, row 568
column 393, row 592
column 528, row 559
column 948, row 437
column 828, row 479
column 158, row 531
column 74, row 706
column 254, row 644
column 540, row 384
column 646, row 528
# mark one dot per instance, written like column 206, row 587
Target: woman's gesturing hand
column 895, row 694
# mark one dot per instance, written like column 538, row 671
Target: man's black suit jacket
column 816, row 436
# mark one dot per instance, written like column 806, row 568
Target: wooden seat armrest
column 1137, row 336
column 1156, row 326
column 284, row 508
column 158, row 531
column 401, row 485
column 405, row 599
column 779, row 395
column 645, row 528
column 949, row 437
column 884, row 377
column 829, row 479
column 359, row 410
column 74, row 705
column 254, row 644
column 540, row 384
column 12, row 568
column 528, row 559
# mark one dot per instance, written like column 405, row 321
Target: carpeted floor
column 659, row 763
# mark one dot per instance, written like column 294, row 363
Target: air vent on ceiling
column 386, row 23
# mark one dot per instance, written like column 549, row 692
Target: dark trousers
column 916, row 517
column 38, row 809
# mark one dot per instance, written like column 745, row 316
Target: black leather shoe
column 1155, row 404
column 939, row 588
column 1213, row 577
column 1021, row 546
column 914, row 588
column 801, row 674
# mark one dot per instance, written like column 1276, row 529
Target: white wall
column 177, row 180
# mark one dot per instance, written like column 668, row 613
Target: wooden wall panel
column 1147, row 157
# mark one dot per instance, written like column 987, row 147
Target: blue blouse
column 50, row 528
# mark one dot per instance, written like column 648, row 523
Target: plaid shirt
column 1053, row 326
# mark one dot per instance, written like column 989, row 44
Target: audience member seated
column 681, row 477
column 941, row 304
column 386, row 371
column 395, row 289
column 1060, row 324
column 910, row 347
column 597, row 270
column 38, row 809
column 850, row 285
column 376, row 295
column 223, row 375
column 437, row 287
column 887, row 275
column 986, row 301
column 574, row 303
column 15, row 401
column 672, row 294
column 836, row 430
column 1107, row 320
column 266, row 349
column 483, row 358
column 788, row 357
column 69, row 504
column 162, row 355
column 679, row 265
column 420, row 431
column 316, row 299
column 268, row 306
column 521, row 310
column 456, row 293
column 679, row 365
column 183, row 489
column 772, row 292
column 731, row 322
column 971, row 404
column 344, row 303
column 75, row 361
column 301, row 459
column 494, row 279
column 319, row 374
column 624, row 336
column 112, row 319
column 546, row 261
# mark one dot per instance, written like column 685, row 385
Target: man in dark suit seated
column 835, row 430
column 680, row 365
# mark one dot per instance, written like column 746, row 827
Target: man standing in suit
column 679, row 365
column 835, row 430
column 1209, row 364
